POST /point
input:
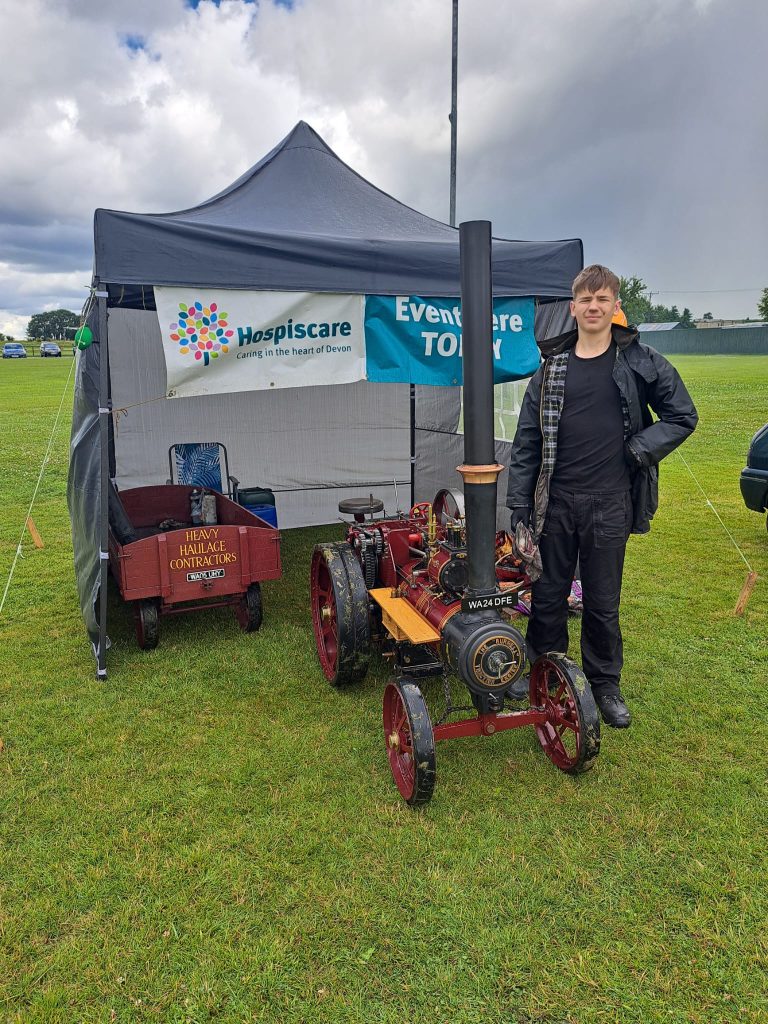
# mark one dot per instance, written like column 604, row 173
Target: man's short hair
column 592, row 279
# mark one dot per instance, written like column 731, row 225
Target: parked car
column 13, row 350
column 49, row 348
column 754, row 479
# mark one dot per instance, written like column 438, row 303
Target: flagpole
column 452, row 215
column 452, row 118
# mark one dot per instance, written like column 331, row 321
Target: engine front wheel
column 410, row 742
column 570, row 737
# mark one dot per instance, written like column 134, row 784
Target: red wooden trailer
column 175, row 565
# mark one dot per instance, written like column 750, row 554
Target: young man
column 583, row 474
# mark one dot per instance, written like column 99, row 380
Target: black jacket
column 646, row 381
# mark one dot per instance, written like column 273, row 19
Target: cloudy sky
column 640, row 126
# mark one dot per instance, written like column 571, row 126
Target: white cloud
column 637, row 126
column 21, row 288
column 12, row 325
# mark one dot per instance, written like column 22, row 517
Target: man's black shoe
column 613, row 709
column 518, row 691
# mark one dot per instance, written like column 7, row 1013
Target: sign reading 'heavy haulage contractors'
column 255, row 341
column 202, row 549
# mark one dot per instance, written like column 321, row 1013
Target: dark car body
column 754, row 479
column 14, row 350
column 50, row 348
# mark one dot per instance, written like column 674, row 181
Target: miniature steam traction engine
column 430, row 588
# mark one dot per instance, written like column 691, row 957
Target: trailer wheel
column 340, row 621
column 250, row 609
column 571, row 734
column 409, row 741
column 147, row 624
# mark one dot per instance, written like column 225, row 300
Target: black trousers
column 594, row 529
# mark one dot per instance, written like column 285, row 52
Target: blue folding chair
column 199, row 464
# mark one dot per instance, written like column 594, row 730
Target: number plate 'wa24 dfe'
column 205, row 574
column 475, row 604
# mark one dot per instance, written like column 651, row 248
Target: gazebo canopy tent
column 302, row 221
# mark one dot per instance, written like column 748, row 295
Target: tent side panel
column 312, row 445
column 439, row 448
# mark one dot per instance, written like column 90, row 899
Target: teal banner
column 413, row 340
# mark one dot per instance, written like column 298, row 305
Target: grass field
column 213, row 834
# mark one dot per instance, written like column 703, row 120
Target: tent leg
column 412, row 403
column 104, row 413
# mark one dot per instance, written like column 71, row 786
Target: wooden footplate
column 402, row 620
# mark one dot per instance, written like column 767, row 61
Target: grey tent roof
column 302, row 220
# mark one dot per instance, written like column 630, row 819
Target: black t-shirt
column 590, row 436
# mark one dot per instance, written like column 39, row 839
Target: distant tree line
column 639, row 309
column 636, row 303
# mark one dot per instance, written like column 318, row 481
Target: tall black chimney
column 480, row 470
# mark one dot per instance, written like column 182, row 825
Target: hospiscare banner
column 225, row 340
column 217, row 341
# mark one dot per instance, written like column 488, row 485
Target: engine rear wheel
column 410, row 742
column 570, row 736
column 361, row 621
column 340, row 620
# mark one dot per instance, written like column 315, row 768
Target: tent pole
column 104, row 413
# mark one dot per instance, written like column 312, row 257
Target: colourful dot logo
column 201, row 331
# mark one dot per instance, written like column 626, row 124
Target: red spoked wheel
column 410, row 742
column 421, row 511
column 571, row 734
column 448, row 506
column 340, row 614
